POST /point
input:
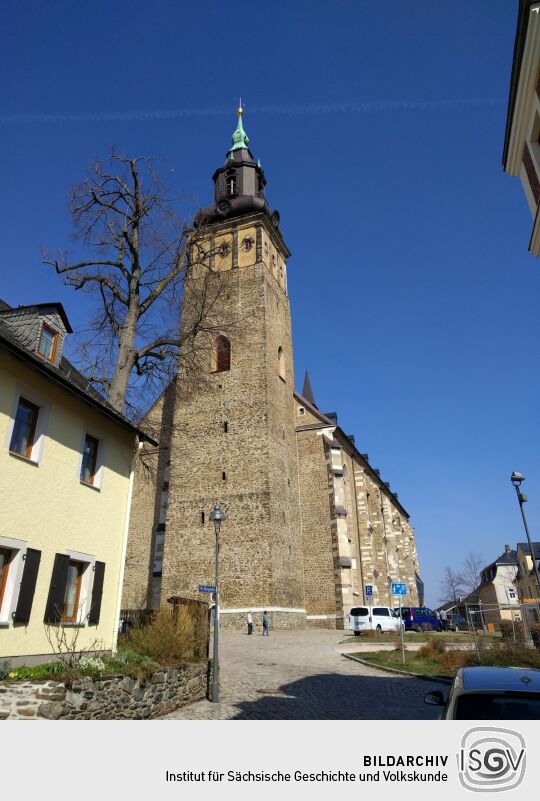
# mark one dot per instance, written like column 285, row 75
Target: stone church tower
column 312, row 529
column 233, row 436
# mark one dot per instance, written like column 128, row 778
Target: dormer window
column 48, row 340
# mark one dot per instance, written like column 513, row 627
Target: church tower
column 233, row 435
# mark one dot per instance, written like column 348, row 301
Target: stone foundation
column 237, row 621
column 325, row 623
column 113, row 698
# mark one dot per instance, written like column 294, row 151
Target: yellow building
column 66, row 473
column 526, row 580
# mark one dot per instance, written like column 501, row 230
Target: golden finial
column 240, row 109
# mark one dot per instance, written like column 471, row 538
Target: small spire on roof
column 240, row 139
column 307, row 392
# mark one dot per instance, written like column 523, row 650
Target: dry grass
column 170, row 639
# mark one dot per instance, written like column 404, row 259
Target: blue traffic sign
column 398, row 588
column 369, row 589
column 206, row 588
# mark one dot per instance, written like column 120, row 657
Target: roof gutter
column 519, row 47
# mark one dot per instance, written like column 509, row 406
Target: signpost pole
column 215, row 660
column 401, row 633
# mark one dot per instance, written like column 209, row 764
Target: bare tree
column 452, row 585
column 471, row 572
column 142, row 254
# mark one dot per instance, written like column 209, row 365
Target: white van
column 373, row 618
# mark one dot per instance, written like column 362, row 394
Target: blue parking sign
column 398, row 588
column 369, row 589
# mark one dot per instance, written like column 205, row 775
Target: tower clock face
column 223, row 207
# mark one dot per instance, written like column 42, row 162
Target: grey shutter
column 97, row 592
column 27, row 586
column 57, row 590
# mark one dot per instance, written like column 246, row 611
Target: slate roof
column 66, row 374
column 526, row 550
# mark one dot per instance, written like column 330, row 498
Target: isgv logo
column 491, row 759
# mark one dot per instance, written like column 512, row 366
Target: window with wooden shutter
column 57, row 591
column 5, row 562
column 97, row 593
column 28, row 586
column 72, row 594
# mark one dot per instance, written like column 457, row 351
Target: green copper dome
column 240, row 139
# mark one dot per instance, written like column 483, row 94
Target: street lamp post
column 216, row 516
column 516, row 479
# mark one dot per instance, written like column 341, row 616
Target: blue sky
column 380, row 128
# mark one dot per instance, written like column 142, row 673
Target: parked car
column 490, row 693
column 456, row 623
column 373, row 618
column 419, row 618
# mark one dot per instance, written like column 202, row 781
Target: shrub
column 91, row 666
column 506, row 657
column 433, row 649
column 168, row 640
column 510, row 630
column 452, row 660
column 5, row 667
column 535, row 634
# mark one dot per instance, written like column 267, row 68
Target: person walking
column 266, row 623
column 250, row 622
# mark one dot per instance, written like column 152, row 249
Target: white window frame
column 42, row 423
column 87, row 583
column 512, row 594
column 15, row 571
column 99, row 475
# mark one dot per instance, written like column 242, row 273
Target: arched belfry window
column 281, row 363
column 221, row 357
column 230, row 182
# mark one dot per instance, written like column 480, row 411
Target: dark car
column 456, row 623
column 490, row 693
column 419, row 618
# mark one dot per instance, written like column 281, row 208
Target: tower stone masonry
column 311, row 529
column 233, row 436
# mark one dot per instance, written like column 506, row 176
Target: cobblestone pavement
column 299, row 675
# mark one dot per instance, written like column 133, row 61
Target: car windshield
column 498, row 706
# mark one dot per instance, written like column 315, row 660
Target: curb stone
column 435, row 679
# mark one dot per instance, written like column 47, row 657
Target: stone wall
column 233, row 442
column 114, row 698
column 278, row 620
column 149, row 502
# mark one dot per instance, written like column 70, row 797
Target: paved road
column 299, row 675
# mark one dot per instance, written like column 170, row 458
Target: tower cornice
column 221, row 225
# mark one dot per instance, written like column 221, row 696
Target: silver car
column 490, row 693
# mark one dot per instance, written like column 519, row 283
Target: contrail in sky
column 354, row 107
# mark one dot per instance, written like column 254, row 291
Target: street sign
column 206, row 588
column 398, row 588
column 369, row 590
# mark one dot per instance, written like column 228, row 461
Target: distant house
column 526, row 581
column 66, row 474
column 497, row 589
